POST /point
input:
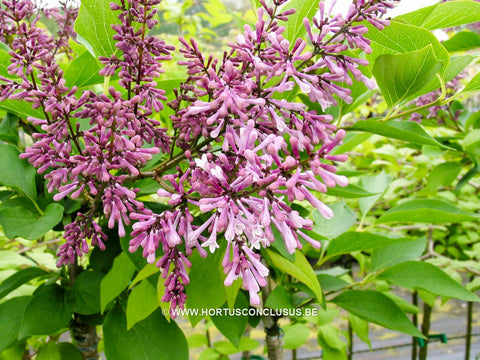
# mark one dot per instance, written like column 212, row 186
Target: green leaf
column 375, row 184
column 294, row 26
column 443, row 175
column 46, row 312
column 13, row 260
column 333, row 348
column 425, row 276
column 471, row 143
column 116, row 280
column 93, row 27
column 206, row 289
column 147, row 271
column 19, row 278
column 17, row 173
column 83, row 71
column 473, row 85
column 375, row 307
column 295, row 335
column 21, row 108
column 397, row 253
column 8, row 129
column 401, row 77
column 360, row 327
column 444, row 15
column 462, row 41
column 331, row 283
column 278, row 299
column 427, row 211
column 456, row 65
column 351, row 141
column 5, row 63
column 350, row 191
column 227, row 348
column 26, row 223
column 408, row 131
column 403, row 304
column 68, row 351
column 403, row 38
column 300, row 269
column 11, row 313
column 141, row 303
column 86, row 293
column 233, row 327
column 342, row 220
column 210, row 354
column 153, row 338
column 48, row 351
column 197, row 340
column 359, row 241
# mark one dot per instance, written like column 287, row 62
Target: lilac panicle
column 269, row 152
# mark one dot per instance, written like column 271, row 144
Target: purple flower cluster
column 242, row 149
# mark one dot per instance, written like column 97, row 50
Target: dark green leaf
column 206, row 289
column 397, row 253
column 444, row 15
column 375, row 307
column 425, row 276
column 279, row 298
column 141, row 303
column 27, row 223
column 359, row 241
column 46, row 312
column 342, row 220
column 68, row 351
column 19, row 278
column 17, row 173
column 11, row 313
column 153, row 338
column 83, row 71
column 233, row 327
column 402, row 130
column 401, row 77
column 427, row 211
column 116, row 280
column 462, row 41
column 86, row 293
column 300, row 269
column 331, row 283
column 8, row 129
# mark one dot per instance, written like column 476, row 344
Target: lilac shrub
column 242, row 149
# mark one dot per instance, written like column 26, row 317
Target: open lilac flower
column 241, row 150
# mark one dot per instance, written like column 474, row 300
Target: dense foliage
column 225, row 172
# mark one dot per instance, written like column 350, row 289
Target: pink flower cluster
column 242, row 151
